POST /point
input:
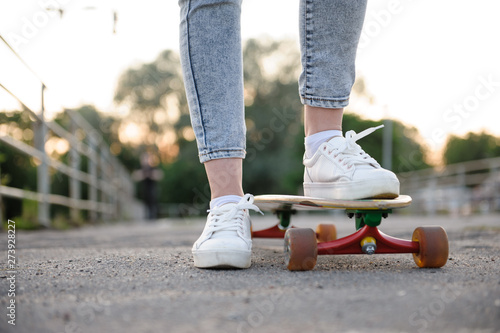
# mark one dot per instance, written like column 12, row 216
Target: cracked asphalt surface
column 139, row 277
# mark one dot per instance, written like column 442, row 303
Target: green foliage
column 153, row 89
column 28, row 220
column 408, row 153
column 473, row 146
column 16, row 168
column 274, row 131
column 274, row 124
column 273, row 117
column 154, row 93
column 61, row 221
column 184, row 181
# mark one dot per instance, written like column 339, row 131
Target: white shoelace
column 351, row 153
column 231, row 217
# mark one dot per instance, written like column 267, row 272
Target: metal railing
column 111, row 190
column 459, row 189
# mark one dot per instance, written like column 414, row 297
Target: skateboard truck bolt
column 369, row 248
column 369, row 245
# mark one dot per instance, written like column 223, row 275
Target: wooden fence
column 460, row 189
column 111, row 190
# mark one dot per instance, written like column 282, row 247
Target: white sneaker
column 226, row 240
column 340, row 169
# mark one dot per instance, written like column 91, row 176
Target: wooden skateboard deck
column 272, row 202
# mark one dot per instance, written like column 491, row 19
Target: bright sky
column 431, row 64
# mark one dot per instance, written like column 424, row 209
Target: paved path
column 140, row 278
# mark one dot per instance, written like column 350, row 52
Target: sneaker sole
column 377, row 189
column 222, row 259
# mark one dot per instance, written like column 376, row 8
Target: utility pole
column 387, row 145
column 43, row 185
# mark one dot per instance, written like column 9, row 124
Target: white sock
column 217, row 202
column 312, row 142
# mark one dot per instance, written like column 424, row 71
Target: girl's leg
column 213, row 76
column 210, row 45
column 335, row 167
column 329, row 36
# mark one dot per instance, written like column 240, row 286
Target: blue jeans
column 212, row 64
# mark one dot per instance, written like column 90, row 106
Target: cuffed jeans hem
column 218, row 154
column 325, row 102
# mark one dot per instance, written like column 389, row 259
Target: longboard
column 429, row 244
column 273, row 202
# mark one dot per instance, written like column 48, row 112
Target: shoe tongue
column 225, row 204
column 337, row 141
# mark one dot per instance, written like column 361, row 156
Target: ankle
column 225, row 176
column 312, row 142
column 219, row 201
column 318, row 119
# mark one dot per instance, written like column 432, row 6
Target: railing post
column 43, row 184
column 74, row 184
column 1, row 202
column 114, row 181
column 461, row 181
column 108, row 176
column 104, row 181
column 494, row 176
column 432, row 200
column 92, row 170
column 415, row 188
column 462, row 185
column 387, row 145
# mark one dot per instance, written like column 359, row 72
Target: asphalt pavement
column 139, row 277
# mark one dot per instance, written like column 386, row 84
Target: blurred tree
column 154, row 94
column 273, row 118
column 408, row 154
column 275, row 131
column 16, row 169
column 19, row 170
column 108, row 128
column 473, row 146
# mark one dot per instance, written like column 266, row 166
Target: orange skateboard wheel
column 326, row 233
column 434, row 247
column 301, row 251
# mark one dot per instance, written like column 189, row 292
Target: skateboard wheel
column 326, row 233
column 301, row 249
column 433, row 243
